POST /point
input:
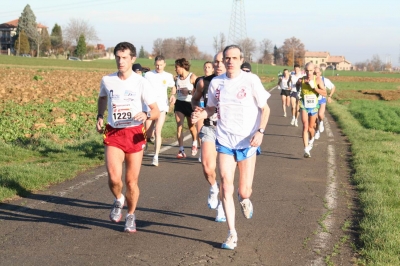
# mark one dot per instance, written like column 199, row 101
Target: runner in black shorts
column 284, row 86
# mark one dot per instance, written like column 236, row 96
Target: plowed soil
column 31, row 85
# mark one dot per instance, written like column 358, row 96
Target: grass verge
column 376, row 167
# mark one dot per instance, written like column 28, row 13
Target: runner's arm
column 257, row 139
column 331, row 93
column 320, row 89
column 172, row 98
column 154, row 113
column 197, row 94
column 101, row 108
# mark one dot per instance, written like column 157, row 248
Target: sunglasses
column 246, row 70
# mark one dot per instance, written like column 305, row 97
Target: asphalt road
column 300, row 206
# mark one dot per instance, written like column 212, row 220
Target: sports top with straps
column 184, row 89
column 308, row 94
column 306, row 88
column 212, row 121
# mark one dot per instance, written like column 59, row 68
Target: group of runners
column 229, row 106
column 307, row 94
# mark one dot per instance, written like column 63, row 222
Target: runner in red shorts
column 124, row 94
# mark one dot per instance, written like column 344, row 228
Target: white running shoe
column 292, row 122
column 230, row 242
column 284, row 114
column 220, row 214
column 155, row 161
column 295, row 123
column 246, row 206
column 321, row 126
column 213, row 198
column 311, row 144
column 307, row 152
column 317, row 135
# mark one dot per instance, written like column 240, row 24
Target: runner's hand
column 257, row 139
column 141, row 116
column 198, row 114
column 172, row 99
column 99, row 125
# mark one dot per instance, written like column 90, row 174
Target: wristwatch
column 148, row 114
column 261, row 130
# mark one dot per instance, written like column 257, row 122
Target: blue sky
column 353, row 28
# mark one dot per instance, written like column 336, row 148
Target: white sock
column 121, row 199
column 215, row 186
column 156, row 157
column 194, row 143
column 294, row 117
column 311, row 140
column 232, row 232
column 181, row 148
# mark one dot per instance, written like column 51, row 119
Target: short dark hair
column 296, row 65
column 208, row 62
column 182, row 62
column 122, row 46
column 232, row 46
column 159, row 58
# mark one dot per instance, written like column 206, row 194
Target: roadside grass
column 36, row 164
column 376, row 164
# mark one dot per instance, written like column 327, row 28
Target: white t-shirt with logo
column 126, row 98
column 161, row 82
column 239, row 102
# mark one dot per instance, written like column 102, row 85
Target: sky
column 355, row 29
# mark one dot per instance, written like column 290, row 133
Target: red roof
column 14, row 24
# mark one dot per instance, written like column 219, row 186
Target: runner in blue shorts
column 311, row 87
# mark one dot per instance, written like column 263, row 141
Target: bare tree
column 376, row 63
column 292, row 51
column 157, row 47
column 181, row 46
column 178, row 47
column 249, row 47
column 76, row 27
column 215, row 44
column 36, row 36
column 222, row 41
column 219, row 42
column 266, row 51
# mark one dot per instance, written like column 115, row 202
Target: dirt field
column 26, row 85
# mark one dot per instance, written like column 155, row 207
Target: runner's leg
column 133, row 162
column 227, row 166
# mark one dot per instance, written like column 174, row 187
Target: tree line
column 375, row 64
column 74, row 39
column 292, row 51
column 32, row 39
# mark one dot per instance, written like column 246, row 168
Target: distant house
column 324, row 58
column 8, row 30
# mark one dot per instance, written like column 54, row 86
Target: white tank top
column 184, row 89
column 283, row 84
